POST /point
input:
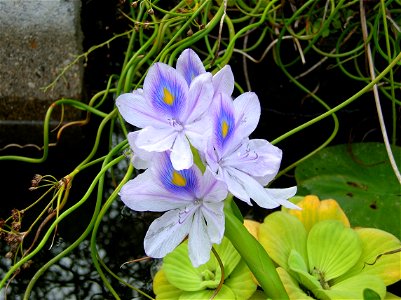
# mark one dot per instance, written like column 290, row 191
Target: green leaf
column 360, row 178
column 381, row 256
column 292, row 286
column 353, row 288
column 369, row 294
column 228, row 255
column 279, row 234
column 241, row 281
column 298, row 265
column 224, row 294
column 163, row 289
column 333, row 249
column 181, row 273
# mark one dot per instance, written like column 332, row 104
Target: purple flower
column 245, row 165
column 194, row 205
column 170, row 111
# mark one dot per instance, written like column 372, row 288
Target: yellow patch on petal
column 168, row 98
column 178, row 180
column 314, row 210
column 224, row 129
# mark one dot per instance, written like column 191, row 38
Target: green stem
column 255, row 256
column 19, row 264
column 343, row 104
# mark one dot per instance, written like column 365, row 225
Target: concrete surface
column 37, row 39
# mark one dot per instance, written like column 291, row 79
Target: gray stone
column 37, row 40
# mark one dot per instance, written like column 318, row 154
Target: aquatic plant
column 329, row 37
column 319, row 256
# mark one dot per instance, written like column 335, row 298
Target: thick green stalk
column 255, row 256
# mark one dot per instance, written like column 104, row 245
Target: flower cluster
column 184, row 110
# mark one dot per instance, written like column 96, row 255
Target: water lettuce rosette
column 179, row 279
column 319, row 256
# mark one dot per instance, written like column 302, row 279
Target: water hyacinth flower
column 193, row 203
column 171, row 107
column 245, row 165
column 169, row 111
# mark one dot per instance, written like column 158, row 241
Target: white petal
column 247, row 113
column 198, row 132
column 189, row 65
column 139, row 195
column 199, row 244
column 165, row 234
column 235, row 186
column 211, row 189
column 135, row 109
column 214, row 215
column 223, row 81
column 281, row 196
column 141, row 159
column 255, row 190
column 156, row 139
column 200, row 97
column 181, row 154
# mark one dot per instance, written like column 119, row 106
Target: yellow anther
column 178, row 180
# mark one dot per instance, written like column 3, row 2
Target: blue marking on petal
column 181, row 182
column 224, row 126
column 168, row 94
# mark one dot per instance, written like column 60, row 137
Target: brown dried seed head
column 16, row 225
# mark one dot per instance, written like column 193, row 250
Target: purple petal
column 256, row 157
column 136, row 110
column 223, row 123
column 212, row 190
column 144, row 194
column 200, row 97
column 167, row 91
column 247, row 113
column 165, row 234
column 189, row 65
column 223, row 81
column 184, row 182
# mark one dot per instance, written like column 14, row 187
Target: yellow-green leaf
column 279, row 234
column 333, row 249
